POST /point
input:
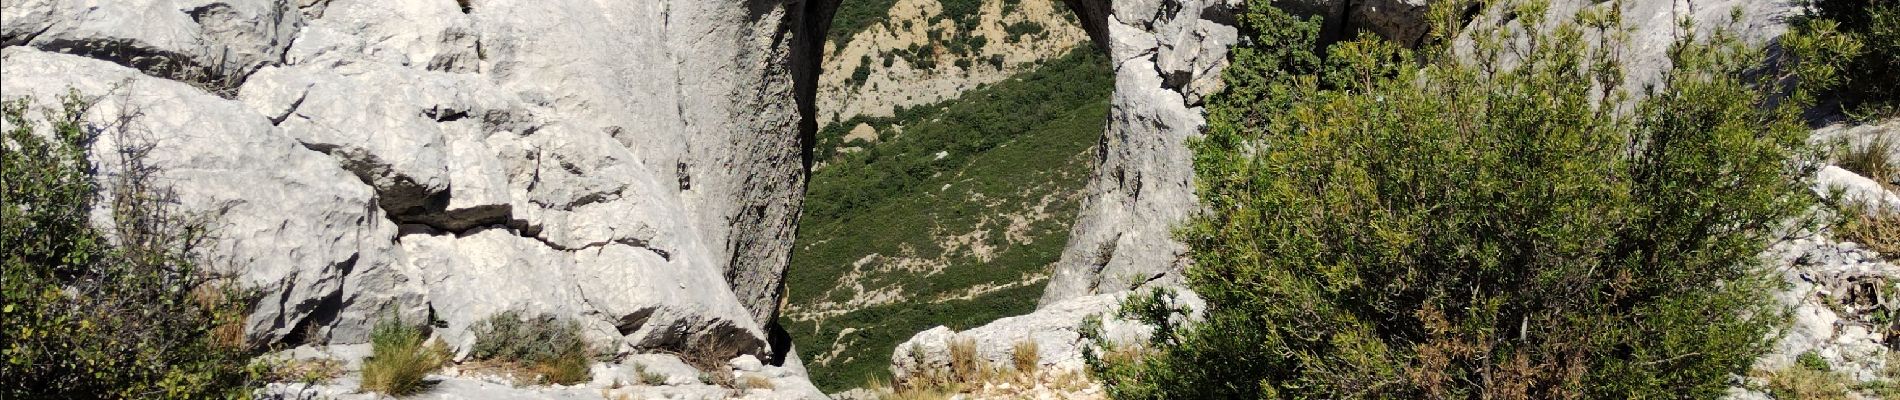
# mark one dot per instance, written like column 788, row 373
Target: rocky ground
column 640, row 376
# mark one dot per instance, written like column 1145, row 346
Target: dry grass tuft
column 965, row 365
column 1877, row 231
column 1026, row 356
column 647, row 377
column 1870, row 159
column 753, row 381
column 309, row 371
column 399, row 359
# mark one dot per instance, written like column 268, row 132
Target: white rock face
column 294, row 231
column 1167, row 55
column 203, row 41
column 634, row 165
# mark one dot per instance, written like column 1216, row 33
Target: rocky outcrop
column 304, row 233
column 633, row 165
column 1839, row 295
column 1167, row 56
column 211, row 43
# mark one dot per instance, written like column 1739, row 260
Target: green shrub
column 1390, row 223
column 553, row 347
column 1851, row 51
column 1812, row 361
column 93, row 315
column 399, row 359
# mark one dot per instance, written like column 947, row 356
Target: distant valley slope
column 944, row 193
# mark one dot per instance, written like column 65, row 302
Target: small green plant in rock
column 1810, row 378
column 400, row 358
column 551, row 347
column 1812, row 361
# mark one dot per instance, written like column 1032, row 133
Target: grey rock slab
column 1142, row 185
column 1845, row 186
column 212, row 41
column 295, row 231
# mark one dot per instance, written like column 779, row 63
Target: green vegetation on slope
column 983, row 187
column 87, row 315
column 857, row 16
column 1395, row 224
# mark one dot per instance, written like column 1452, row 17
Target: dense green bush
column 1391, row 223
column 553, row 347
column 88, row 314
column 400, row 357
column 1851, row 50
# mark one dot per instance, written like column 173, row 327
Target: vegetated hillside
column 887, row 54
column 951, row 218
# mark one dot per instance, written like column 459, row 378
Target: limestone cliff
column 635, row 165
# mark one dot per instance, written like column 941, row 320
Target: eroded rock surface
column 634, row 165
column 1167, row 56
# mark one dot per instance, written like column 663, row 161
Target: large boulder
column 298, row 232
column 633, row 165
column 212, row 43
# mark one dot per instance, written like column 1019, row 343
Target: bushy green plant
column 1850, row 50
column 88, row 314
column 552, row 346
column 1391, row 223
column 400, row 358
